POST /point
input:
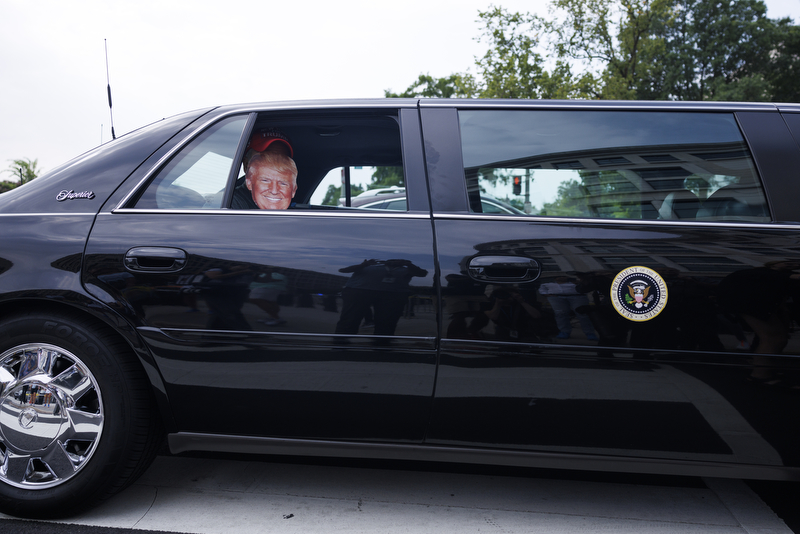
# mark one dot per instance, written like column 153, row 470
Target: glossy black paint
column 778, row 160
column 443, row 160
column 309, row 376
column 436, row 377
column 677, row 387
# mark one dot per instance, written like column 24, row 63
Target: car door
column 643, row 304
column 317, row 321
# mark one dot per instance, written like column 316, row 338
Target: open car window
column 610, row 165
column 333, row 153
column 369, row 186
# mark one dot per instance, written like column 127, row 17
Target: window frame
column 630, row 166
column 410, row 148
column 759, row 122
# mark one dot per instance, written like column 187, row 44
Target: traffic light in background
column 518, row 185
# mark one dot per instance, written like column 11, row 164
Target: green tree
column 24, row 169
column 618, row 42
column 7, row 186
column 782, row 71
column 453, row 86
column 387, row 177
column 334, row 193
column 570, row 202
column 718, row 51
column 512, row 67
column 632, row 49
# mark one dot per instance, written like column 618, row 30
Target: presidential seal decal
column 638, row 293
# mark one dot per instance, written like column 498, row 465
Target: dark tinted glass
column 611, row 164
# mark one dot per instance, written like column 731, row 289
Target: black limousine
column 584, row 285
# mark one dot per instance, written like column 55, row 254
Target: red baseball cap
column 261, row 139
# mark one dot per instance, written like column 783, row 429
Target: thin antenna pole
column 108, row 79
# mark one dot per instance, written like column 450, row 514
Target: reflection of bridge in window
column 649, row 182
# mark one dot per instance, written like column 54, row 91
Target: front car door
column 313, row 322
column 641, row 300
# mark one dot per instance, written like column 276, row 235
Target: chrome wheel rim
column 51, row 416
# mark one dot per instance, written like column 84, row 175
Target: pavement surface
column 221, row 495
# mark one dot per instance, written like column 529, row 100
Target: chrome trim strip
column 632, row 222
column 226, row 333
column 54, row 214
column 625, row 105
column 283, row 213
column 322, row 105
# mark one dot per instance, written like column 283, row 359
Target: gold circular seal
column 638, row 293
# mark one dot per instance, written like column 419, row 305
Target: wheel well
column 112, row 324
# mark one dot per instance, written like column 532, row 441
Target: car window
column 615, row 165
column 368, row 187
column 197, row 176
column 332, row 152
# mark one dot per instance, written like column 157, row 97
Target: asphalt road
column 223, row 494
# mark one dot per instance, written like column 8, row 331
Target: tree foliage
column 621, row 41
column 631, row 49
column 334, row 193
column 387, row 177
column 23, row 170
column 453, row 86
column 570, row 202
column 5, row 185
column 783, row 68
column 718, row 51
column 513, row 67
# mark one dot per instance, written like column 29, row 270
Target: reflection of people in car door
column 225, row 290
column 761, row 297
column 380, row 285
column 264, row 292
column 764, row 299
column 270, row 174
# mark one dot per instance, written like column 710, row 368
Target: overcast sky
column 166, row 57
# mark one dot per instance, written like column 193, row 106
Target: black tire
column 77, row 417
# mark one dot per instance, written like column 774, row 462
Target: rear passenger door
column 637, row 299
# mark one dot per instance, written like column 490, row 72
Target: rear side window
column 196, row 178
column 610, row 165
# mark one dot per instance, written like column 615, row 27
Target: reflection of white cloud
column 204, row 175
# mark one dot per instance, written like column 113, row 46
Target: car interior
column 198, row 176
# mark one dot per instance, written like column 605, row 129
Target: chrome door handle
column 155, row 259
column 504, row 269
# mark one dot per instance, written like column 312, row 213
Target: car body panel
column 307, row 380
column 299, row 375
column 636, row 391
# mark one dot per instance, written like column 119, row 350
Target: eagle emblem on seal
column 638, row 292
